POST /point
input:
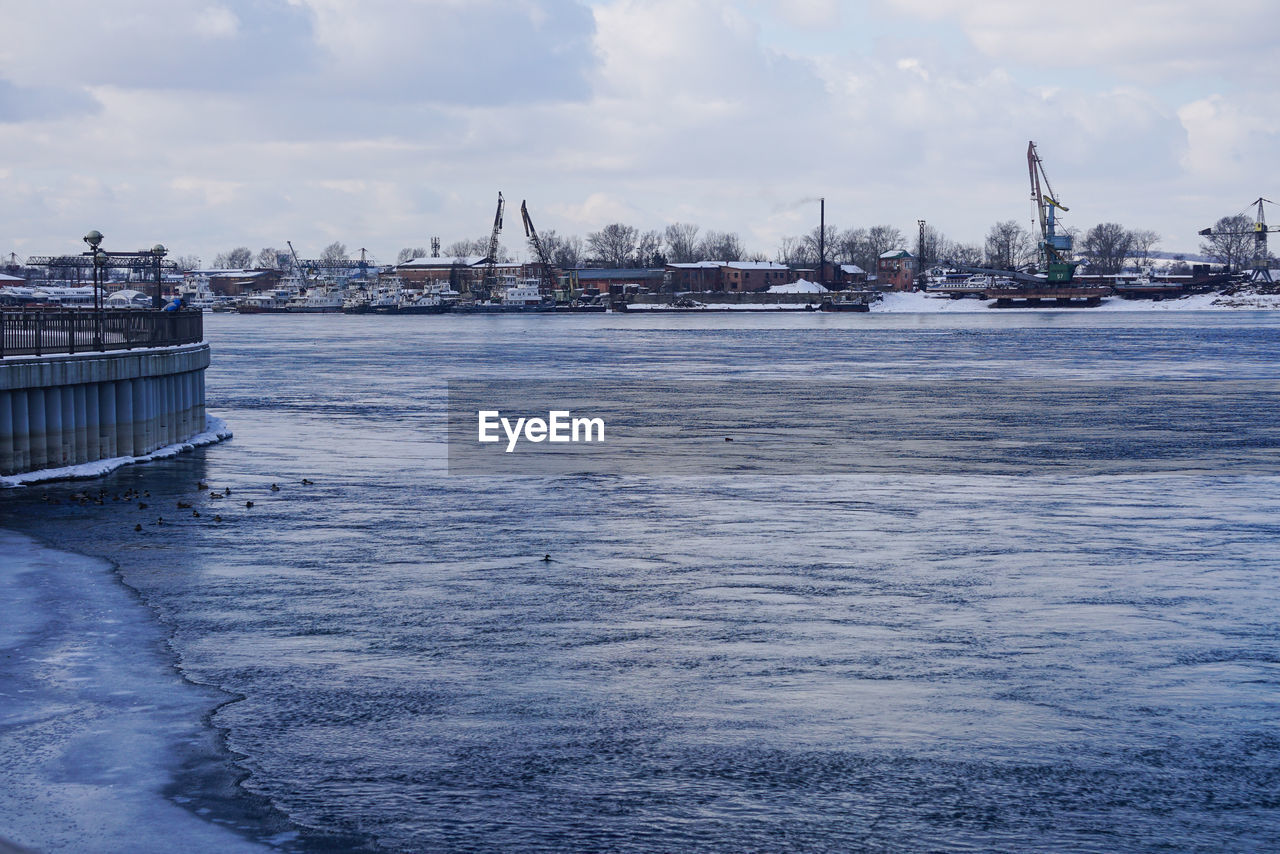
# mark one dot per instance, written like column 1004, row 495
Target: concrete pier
column 66, row 410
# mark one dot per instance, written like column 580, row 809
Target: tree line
column 1108, row 248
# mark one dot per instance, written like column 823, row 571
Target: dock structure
column 82, row 386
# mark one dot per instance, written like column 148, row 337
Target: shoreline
column 99, row 724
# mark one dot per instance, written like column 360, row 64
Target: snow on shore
column 215, row 430
column 923, row 303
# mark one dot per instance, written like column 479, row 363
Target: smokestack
column 822, row 242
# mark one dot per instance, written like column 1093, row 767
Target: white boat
column 318, row 300
column 268, row 302
column 523, row 294
column 197, row 294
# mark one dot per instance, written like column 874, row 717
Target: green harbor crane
column 1055, row 248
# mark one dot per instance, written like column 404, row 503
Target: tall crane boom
column 1055, row 249
column 302, row 275
column 548, row 272
column 491, row 260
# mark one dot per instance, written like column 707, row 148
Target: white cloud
column 217, row 22
column 808, row 13
column 383, row 122
column 1145, row 39
column 1231, row 141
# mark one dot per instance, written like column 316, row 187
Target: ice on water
column 93, row 714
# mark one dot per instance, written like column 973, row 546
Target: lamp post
column 158, row 252
column 94, row 239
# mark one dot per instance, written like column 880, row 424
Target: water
column 865, row 662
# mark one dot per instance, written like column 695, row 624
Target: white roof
column 895, row 253
column 756, row 265
column 239, row 274
column 699, row 265
column 800, row 286
column 4, row 277
column 852, row 268
column 461, row 260
column 127, row 295
column 55, row 290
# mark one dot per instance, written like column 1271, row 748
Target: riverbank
column 918, row 302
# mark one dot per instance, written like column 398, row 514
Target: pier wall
column 66, row 410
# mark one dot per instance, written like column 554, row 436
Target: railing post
column 71, row 331
column 39, row 333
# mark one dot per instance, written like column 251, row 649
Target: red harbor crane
column 490, row 285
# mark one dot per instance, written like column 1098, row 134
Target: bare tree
column 1008, row 245
column 1106, row 246
column 187, row 263
column 682, row 243
column 565, row 252
column 236, row 259
column 853, row 247
column 830, row 238
column 335, row 251
column 1231, row 242
column 721, row 246
column 1141, row 244
column 477, row 248
column 794, row 252
column 649, row 250
column 963, row 255
column 881, row 239
column 409, row 253
column 464, row 248
column 614, row 245
column 268, row 259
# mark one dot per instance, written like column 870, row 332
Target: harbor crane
column 1055, row 248
column 491, row 260
column 302, row 274
column 548, row 285
column 1260, row 230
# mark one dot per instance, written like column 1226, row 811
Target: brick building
column 696, row 276
column 741, row 276
column 896, row 271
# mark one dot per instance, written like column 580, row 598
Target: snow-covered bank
column 923, row 303
column 215, row 430
column 94, row 719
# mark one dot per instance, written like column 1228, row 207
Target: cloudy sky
column 207, row 124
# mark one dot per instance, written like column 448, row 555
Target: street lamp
column 158, row 252
column 94, row 239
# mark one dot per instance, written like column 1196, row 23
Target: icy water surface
column 732, row 664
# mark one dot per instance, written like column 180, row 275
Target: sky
column 210, row 124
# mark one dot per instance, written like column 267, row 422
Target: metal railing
column 39, row 332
